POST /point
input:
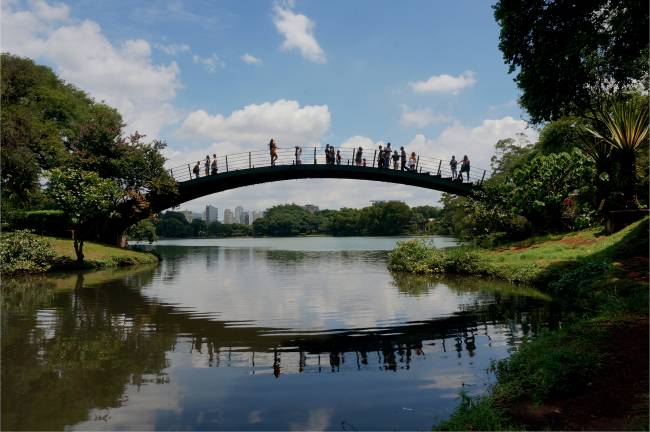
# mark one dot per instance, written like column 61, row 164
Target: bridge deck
column 245, row 169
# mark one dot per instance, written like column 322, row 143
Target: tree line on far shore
column 380, row 219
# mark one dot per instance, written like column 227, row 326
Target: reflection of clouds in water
column 302, row 290
column 317, row 419
column 142, row 405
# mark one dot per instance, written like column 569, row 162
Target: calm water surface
column 257, row 334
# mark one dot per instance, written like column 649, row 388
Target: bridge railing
column 316, row 156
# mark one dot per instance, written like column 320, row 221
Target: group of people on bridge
column 385, row 157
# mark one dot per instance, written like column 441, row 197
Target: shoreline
column 584, row 374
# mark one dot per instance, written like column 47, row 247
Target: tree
column 619, row 134
column 87, row 199
column 38, row 114
column 143, row 230
column 565, row 50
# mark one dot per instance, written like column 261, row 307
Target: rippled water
column 303, row 333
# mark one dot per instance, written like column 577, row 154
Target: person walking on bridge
column 453, row 163
column 298, row 155
column 207, row 165
column 197, row 169
column 402, row 158
column 214, row 164
column 359, row 156
column 464, row 167
column 273, row 148
column 380, row 157
column 395, row 159
column 338, row 157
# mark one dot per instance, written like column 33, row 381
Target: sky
column 226, row 76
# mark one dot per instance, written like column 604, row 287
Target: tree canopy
column 47, row 123
column 564, row 51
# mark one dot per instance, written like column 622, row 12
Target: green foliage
column 39, row 112
column 580, row 279
column 561, row 135
column 419, row 257
column 542, row 185
column 553, row 364
column 43, row 222
column 618, row 136
column 87, row 200
column 286, row 220
column 562, row 51
column 416, row 256
column 47, row 123
column 479, row 413
column 143, row 230
column 24, row 252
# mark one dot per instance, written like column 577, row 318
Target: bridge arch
column 251, row 168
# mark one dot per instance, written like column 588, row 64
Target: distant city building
column 310, row 208
column 239, row 214
column 247, row 218
column 211, row 214
column 198, row 216
column 256, row 215
column 228, row 217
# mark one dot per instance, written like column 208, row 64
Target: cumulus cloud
column 444, row 83
column 421, row 117
column 298, row 32
column 123, row 76
column 250, row 59
column 253, row 126
column 173, row 49
column 211, row 63
column 477, row 142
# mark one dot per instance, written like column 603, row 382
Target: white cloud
column 298, row 32
column 444, row 83
column 174, row 49
column 211, row 63
column 122, row 76
column 421, row 117
column 477, row 142
column 253, row 126
column 250, row 59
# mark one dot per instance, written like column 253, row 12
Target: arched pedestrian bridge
column 250, row 168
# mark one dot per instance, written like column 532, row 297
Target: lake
column 256, row 334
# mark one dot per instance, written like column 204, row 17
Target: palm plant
column 619, row 132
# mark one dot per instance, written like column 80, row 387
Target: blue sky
column 424, row 74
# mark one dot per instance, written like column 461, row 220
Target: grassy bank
column 96, row 255
column 25, row 253
column 593, row 373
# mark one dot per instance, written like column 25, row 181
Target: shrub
column 43, row 222
column 462, row 260
column 416, row 256
column 23, row 252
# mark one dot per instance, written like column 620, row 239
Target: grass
column 96, row 255
column 606, row 276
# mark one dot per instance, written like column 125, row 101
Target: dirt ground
column 616, row 400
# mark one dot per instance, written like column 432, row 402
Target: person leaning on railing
column 464, row 167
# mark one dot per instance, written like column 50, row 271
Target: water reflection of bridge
column 99, row 325
column 222, row 343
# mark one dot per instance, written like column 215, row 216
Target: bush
column 416, row 256
column 44, row 222
column 462, row 260
column 23, row 252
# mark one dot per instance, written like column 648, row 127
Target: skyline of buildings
column 211, row 214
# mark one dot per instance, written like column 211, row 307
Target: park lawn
column 543, row 259
column 97, row 255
